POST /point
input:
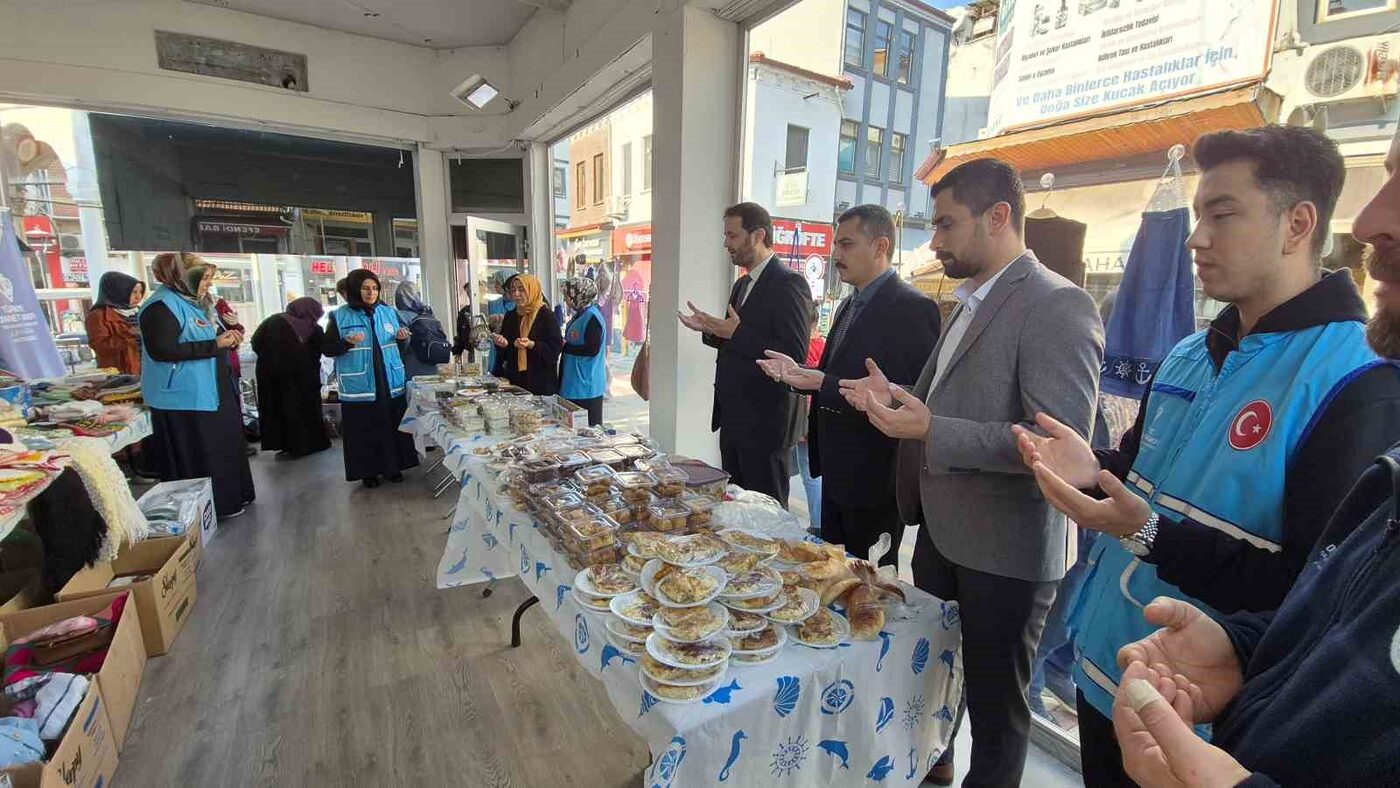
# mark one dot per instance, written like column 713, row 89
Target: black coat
column 749, row 410
column 855, row 461
column 289, row 388
column 541, row 375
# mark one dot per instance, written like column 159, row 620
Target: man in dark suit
column 889, row 323
column 767, row 309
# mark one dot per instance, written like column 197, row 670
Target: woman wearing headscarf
column 583, row 369
column 529, row 342
column 112, row 330
column 362, row 336
column 289, row 379
column 185, row 379
column 411, row 310
column 496, row 310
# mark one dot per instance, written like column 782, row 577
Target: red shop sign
column 815, row 238
column 323, row 267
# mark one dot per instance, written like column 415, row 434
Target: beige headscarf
column 181, row 272
column 527, row 309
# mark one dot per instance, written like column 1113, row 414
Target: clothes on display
column 1058, row 244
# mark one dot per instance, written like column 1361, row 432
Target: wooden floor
column 319, row 653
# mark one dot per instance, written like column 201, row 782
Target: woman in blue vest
column 496, row 312
column 186, row 381
column 362, row 336
column 583, row 369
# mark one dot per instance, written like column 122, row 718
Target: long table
column 878, row 711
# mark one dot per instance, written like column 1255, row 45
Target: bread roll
column 835, row 589
column 864, row 611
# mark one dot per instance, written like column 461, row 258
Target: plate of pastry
column 757, row 604
column 749, row 541
column 824, row 629
column 689, row 655
column 642, row 544
column 691, row 624
column 761, row 643
column 627, row 646
column 745, row 660
column 680, row 677
column 690, row 551
column 674, row 587
column 737, row 562
column 744, row 623
column 633, row 564
column 672, row 693
column 799, row 604
column 636, row 608
column 604, row 580
column 594, row 603
column 628, row 632
column 759, row 582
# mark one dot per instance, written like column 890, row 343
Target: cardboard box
column 20, row 590
column 195, row 498
column 165, row 599
column 120, row 677
column 86, row 756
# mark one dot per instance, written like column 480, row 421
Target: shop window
column 598, row 179
column 796, row 158
column 561, row 182
column 580, row 184
column 627, row 168
column 855, row 38
column 846, row 148
column 884, row 41
column 646, row 163
column 487, row 185
column 874, row 143
column 907, row 41
column 897, row 144
column 1333, row 10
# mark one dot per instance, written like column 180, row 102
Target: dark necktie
column 848, row 316
column 741, row 289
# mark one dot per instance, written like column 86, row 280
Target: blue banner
column 26, row 344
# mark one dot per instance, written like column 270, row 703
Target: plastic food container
column 670, row 482
column 641, row 509
column 581, row 559
column 537, row 471
column 595, row 480
column 609, row 458
column 652, row 464
column 668, row 515
column 633, row 452
column 561, row 500
column 701, row 508
column 576, row 514
column 621, row 439
column 705, row 479
column 634, row 485
column 594, row 533
column 617, row 508
column 572, row 463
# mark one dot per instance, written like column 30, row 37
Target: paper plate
column 737, row 660
column 649, row 583
column 626, row 646
column 708, row 677
column 670, row 634
column 584, row 583
column 774, row 584
column 649, row 685
column 734, row 604
column 735, row 628
column 616, row 627
column 657, row 647
column 619, row 604
column 705, row 559
column 734, row 536
column 590, row 602
column 759, row 652
column 810, row 604
column 843, row 633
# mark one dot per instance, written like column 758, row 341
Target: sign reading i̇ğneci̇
column 1060, row 58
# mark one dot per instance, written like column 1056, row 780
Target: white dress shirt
column 971, row 300
column 754, row 274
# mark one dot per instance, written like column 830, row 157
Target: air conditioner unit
column 1358, row 69
column 621, row 204
column 68, row 242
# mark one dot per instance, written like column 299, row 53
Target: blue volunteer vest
column 181, row 385
column 354, row 369
column 1216, row 449
column 582, row 377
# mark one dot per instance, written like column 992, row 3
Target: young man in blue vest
column 1250, row 432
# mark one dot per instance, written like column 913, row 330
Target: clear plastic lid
column 594, row 533
column 634, row 451
column 666, row 508
column 593, row 474
column 607, row 457
column 698, row 503
column 634, row 480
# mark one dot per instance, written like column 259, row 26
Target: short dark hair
column 754, row 217
column 875, row 222
column 1291, row 164
column 981, row 183
column 812, row 313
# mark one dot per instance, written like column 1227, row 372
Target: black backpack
column 428, row 341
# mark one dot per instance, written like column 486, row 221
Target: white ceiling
column 437, row 24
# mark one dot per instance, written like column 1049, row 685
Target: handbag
column 641, row 372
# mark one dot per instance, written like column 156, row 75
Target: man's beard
column 1383, row 329
column 955, row 268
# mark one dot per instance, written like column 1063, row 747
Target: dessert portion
column 797, row 606
column 821, row 629
column 610, row 579
column 758, row 603
column 690, row 550
column 688, row 586
column 761, row 640
column 697, row 655
column 666, row 673
column 693, row 623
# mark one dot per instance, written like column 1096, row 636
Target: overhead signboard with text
column 1056, row 60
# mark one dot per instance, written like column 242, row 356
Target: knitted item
column 109, row 492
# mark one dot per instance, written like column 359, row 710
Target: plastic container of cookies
column 608, row 457
column 634, row 486
column 701, row 508
column 595, row 481
column 671, row 482
column 668, row 515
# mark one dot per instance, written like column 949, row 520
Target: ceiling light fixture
column 476, row 93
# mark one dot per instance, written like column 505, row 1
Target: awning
column 1118, row 135
column 582, row 230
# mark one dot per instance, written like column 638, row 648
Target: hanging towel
column 1156, row 304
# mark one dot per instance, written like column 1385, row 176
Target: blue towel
column 1155, row 307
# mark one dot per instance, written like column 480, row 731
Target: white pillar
column 695, row 95
column 539, row 206
column 434, row 236
column 83, row 185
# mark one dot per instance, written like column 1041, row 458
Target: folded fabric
column 56, row 702
column 26, row 662
column 19, row 742
column 61, row 630
column 75, row 410
column 12, row 479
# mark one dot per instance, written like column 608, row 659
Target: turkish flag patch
column 1251, row 425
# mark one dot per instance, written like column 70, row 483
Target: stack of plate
column 688, row 652
column 589, row 596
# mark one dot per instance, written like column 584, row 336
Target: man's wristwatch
column 1140, row 543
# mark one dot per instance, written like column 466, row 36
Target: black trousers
column 760, row 470
column 859, row 527
column 1100, row 760
column 594, row 406
column 1002, row 618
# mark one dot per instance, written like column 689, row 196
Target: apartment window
column 627, row 168
column 580, row 184
column 1332, row 10
column 846, row 148
column 906, row 57
column 874, row 142
column 855, row 38
column 897, row 143
column 646, row 163
column 561, row 187
column 796, row 148
column 884, row 41
column 598, row 179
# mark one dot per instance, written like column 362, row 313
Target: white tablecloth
column 878, row 711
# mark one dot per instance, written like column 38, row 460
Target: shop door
column 481, row 248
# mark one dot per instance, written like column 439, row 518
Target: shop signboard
column 632, row 240
column 75, row 271
column 806, row 248
column 323, row 267
column 791, row 188
column 26, row 346
column 1088, row 56
column 239, row 228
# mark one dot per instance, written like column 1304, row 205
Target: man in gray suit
column 1023, row 340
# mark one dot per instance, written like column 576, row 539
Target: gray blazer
column 1035, row 344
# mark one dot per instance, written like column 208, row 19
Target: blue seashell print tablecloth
column 867, row 712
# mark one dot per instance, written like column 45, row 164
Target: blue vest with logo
column 582, row 377
column 1215, row 448
column 181, row 385
column 354, row 369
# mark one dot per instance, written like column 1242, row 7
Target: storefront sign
column 791, row 188
column 323, row 267
column 239, row 228
column 592, row 247
column 26, row 346
column 75, row 270
column 1094, row 55
column 805, row 247
column 632, row 240
column 385, row 269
